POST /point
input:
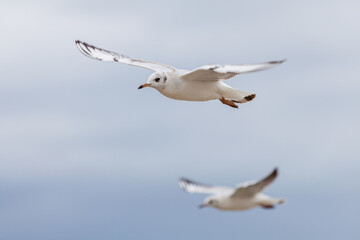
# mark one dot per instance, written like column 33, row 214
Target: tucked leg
column 228, row 102
column 267, row 206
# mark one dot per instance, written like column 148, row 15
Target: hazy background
column 86, row 155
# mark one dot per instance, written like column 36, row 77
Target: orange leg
column 228, row 102
column 267, row 206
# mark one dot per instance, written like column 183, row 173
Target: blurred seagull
column 245, row 196
column 201, row 84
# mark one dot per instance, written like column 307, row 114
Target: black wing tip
column 78, row 42
column 183, row 183
column 278, row 62
column 85, row 48
column 185, row 180
column 275, row 172
column 270, row 177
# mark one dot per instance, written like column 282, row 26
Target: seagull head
column 211, row 201
column 156, row 80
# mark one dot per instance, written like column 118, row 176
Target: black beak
column 141, row 86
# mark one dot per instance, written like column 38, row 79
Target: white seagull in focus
column 244, row 196
column 201, row 84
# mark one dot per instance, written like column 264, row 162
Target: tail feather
column 270, row 203
column 246, row 99
column 238, row 96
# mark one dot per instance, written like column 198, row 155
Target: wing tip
column 87, row 49
column 275, row 172
column 187, row 184
column 277, row 61
column 79, row 43
column 272, row 176
column 183, row 182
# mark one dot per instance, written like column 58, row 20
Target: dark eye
column 157, row 79
column 211, row 202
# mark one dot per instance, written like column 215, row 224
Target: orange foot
column 228, row 102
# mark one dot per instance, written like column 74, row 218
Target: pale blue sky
column 86, row 155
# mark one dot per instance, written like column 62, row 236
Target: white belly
column 193, row 91
column 234, row 204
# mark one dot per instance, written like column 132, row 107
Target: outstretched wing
column 251, row 188
column 195, row 187
column 104, row 55
column 224, row 72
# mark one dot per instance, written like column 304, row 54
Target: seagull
column 243, row 197
column 201, row 84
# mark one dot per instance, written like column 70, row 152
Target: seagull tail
column 237, row 96
column 271, row 202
